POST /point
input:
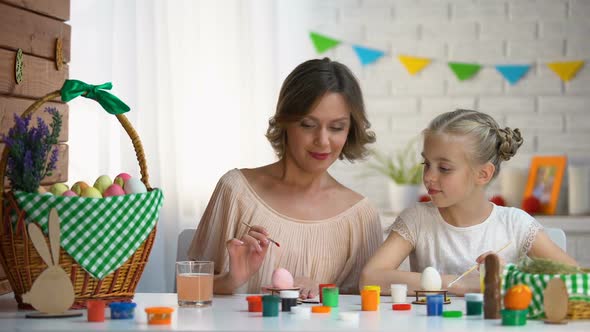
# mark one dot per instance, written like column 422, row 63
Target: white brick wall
column 554, row 116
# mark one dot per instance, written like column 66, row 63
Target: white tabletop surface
column 229, row 313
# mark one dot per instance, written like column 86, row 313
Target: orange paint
column 369, row 300
column 518, row 297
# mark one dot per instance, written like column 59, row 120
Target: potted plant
column 404, row 170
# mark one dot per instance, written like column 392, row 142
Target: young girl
column 462, row 153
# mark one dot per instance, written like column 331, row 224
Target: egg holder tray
column 421, row 296
column 21, row 262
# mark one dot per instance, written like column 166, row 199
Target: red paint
column 95, row 310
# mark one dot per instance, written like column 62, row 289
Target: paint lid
column 254, row 298
column 373, row 287
column 474, row 297
column 122, row 306
column 321, row 309
column 271, row 298
column 300, row 310
column 159, row 310
column 289, row 294
column 401, row 306
column 452, row 314
column 348, row 316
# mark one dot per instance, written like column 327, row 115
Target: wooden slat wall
column 58, row 9
column 34, row 26
column 33, row 33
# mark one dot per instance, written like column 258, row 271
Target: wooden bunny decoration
column 52, row 292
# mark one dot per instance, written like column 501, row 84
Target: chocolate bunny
column 52, row 292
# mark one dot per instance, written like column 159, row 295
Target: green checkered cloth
column 99, row 233
column 577, row 286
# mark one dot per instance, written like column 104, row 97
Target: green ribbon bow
column 74, row 88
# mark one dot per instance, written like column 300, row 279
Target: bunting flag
column 566, row 70
column 464, row 71
column 367, row 55
column 513, row 73
column 413, row 64
column 323, row 43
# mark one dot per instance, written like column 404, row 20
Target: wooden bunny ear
column 54, row 235
column 39, row 243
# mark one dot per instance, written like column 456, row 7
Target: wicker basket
column 23, row 264
column 578, row 309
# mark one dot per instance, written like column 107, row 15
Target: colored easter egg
column 69, row 193
column 114, row 190
column 282, row 278
column 58, row 188
column 102, row 183
column 91, row 192
column 79, row 186
column 121, row 179
column 134, row 186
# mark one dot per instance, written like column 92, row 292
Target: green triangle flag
column 464, row 71
column 322, row 43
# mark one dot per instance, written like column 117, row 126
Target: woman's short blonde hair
column 302, row 90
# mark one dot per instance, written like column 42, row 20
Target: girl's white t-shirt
column 453, row 250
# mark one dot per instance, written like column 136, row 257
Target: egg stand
column 423, row 293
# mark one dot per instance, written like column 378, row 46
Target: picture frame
column 544, row 181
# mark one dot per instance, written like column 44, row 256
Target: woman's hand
column 309, row 287
column 246, row 254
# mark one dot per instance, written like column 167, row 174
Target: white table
column 229, row 313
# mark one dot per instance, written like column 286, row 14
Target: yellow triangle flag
column 566, row 70
column 413, row 64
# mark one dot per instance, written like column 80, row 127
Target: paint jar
column 159, row 315
column 95, row 310
column 254, row 303
column 122, row 310
column 321, row 287
column 399, row 293
column 288, row 299
column 330, row 295
column 474, row 304
column 369, row 300
column 270, row 305
column 434, row 305
column 514, row 317
column 378, row 289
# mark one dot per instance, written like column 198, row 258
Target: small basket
column 578, row 308
column 23, row 264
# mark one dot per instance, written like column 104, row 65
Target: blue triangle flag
column 367, row 55
column 513, row 73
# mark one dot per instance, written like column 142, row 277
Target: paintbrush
column 271, row 240
column 475, row 266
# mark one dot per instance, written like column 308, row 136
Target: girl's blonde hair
column 491, row 143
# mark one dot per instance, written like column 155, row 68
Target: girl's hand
column 482, row 258
column 247, row 254
column 468, row 284
column 309, row 287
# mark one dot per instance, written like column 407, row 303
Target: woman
column 325, row 230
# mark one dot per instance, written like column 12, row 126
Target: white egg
column 134, row 186
column 430, row 280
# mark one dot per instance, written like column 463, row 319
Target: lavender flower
column 29, row 149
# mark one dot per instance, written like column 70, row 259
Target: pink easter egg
column 281, row 278
column 69, row 193
column 121, row 179
column 114, row 190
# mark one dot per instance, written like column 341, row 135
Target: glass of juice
column 194, row 283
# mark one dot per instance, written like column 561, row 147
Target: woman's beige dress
column 332, row 250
